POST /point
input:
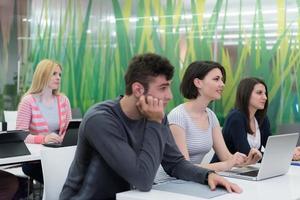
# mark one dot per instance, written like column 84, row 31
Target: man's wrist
column 156, row 120
column 207, row 174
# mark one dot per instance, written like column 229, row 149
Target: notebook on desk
column 12, row 143
column 275, row 162
column 189, row 188
column 71, row 136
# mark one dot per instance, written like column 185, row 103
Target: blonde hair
column 41, row 77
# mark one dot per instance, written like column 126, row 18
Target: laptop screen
column 71, row 135
column 13, row 136
column 12, row 143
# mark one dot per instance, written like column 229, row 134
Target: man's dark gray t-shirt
column 115, row 153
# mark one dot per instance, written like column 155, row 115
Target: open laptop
column 71, row 136
column 275, row 162
column 12, row 143
column 289, row 128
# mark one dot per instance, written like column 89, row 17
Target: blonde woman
column 43, row 110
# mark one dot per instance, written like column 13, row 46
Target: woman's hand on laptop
column 52, row 138
column 296, row 155
column 237, row 159
column 215, row 180
column 253, row 157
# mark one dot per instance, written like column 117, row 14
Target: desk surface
column 35, row 150
column 282, row 187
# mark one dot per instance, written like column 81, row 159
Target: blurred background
column 94, row 40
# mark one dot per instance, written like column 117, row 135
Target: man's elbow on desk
column 145, row 189
column 144, row 185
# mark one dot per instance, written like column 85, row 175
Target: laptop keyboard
column 253, row 173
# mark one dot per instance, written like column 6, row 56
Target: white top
column 254, row 140
column 199, row 141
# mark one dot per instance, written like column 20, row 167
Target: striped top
column 199, row 141
column 30, row 118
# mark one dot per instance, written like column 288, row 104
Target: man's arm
column 110, row 142
column 175, row 165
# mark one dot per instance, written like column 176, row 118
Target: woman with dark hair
column 195, row 127
column 247, row 125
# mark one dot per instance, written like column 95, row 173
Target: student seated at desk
column 247, row 126
column 122, row 142
column 195, row 127
column 44, row 111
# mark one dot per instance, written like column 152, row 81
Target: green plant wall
column 94, row 40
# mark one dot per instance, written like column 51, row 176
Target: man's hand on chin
column 151, row 108
column 215, row 180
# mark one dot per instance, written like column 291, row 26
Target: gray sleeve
column 138, row 169
column 175, row 164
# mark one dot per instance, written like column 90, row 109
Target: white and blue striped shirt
column 199, row 141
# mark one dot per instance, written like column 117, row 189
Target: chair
column 3, row 126
column 10, row 117
column 55, row 164
column 76, row 113
column 207, row 158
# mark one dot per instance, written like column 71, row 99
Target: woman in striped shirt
column 195, row 127
column 44, row 111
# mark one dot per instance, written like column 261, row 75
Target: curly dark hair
column 142, row 68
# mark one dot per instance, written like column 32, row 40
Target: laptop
column 71, row 136
column 275, row 162
column 12, row 143
column 289, row 128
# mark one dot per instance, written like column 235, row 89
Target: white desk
column 35, row 150
column 283, row 187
